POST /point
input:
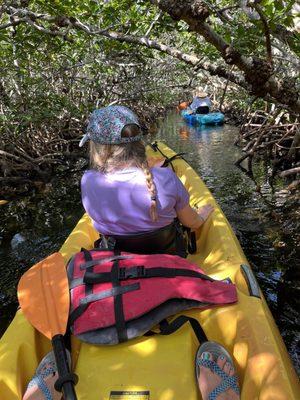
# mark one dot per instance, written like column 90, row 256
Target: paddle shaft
column 63, row 367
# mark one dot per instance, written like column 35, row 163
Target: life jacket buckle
column 131, row 273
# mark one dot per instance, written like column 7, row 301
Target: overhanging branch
column 35, row 21
column 258, row 73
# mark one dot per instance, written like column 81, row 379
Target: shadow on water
column 36, row 226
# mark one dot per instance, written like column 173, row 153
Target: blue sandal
column 228, row 382
column 41, row 386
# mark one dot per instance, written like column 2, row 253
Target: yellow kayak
column 162, row 367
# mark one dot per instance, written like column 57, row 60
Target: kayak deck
column 163, row 366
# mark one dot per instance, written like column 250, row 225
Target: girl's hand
column 193, row 217
column 205, row 211
column 155, row 162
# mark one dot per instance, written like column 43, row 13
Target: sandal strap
column 48, row 371
column 228, row 382
column 38, row 381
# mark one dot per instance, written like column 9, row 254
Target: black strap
column 192, row 242
column 168, row 160
column 167, row 328
column 103, row 260
column 70, row 377
column 88, row 257
column 158, row 272
column 141, row 272
column 118, row 304
column 104, row 294
column 78, row 311
column 180, row 240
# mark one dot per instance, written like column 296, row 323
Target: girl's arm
column 193, row 219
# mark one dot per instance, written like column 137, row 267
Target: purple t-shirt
column 119, row 203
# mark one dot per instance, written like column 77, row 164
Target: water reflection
column 204, row 133
column 211, row 152
column 184, row 132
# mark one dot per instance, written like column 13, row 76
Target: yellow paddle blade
column 43, row 294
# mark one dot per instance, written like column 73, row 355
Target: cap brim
column 84, row 139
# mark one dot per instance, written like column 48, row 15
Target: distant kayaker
column 201, row 103
column 135, row 207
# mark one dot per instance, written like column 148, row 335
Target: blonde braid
column 108, row 158
column 152, row 190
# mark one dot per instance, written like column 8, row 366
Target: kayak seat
column 167, row 240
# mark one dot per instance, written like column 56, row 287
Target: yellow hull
column 164, row 365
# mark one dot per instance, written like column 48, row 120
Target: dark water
column 34, row 227
column 211, row 152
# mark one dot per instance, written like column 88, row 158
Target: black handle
column 66, row 379
column 192, row 242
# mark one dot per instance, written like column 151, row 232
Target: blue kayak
column 216, row 118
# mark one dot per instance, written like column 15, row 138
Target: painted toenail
column 222, row 357
column 206, row 356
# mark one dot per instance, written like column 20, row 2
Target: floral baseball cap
column 106, row 124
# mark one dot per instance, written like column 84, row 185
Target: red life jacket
column 119, row 296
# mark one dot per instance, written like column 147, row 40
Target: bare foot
column 209, row 380
column 42, row 383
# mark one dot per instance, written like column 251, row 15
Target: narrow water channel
column 212, row 153
column 34, row 227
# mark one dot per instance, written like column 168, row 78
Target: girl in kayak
column 126, row 198
column 130, row 203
